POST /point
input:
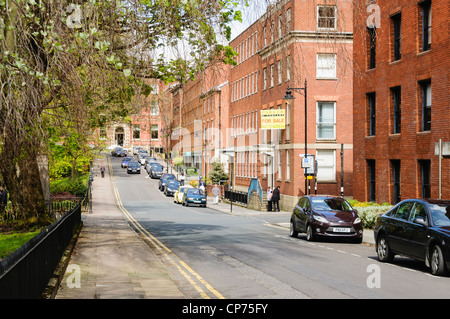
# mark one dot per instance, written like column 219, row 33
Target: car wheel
column 292, row 231
column 383, row 251
column 437, row 261
column 310, row 233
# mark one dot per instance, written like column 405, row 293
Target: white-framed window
column 326, row 165
column 136, row 132
column 155, row 132
column 154, row 108
column 272, row 70
column 288, row 68
column 265, row 79
column 279, row 165
column 326, row 66
column 272, row 31
column 326, row 120
column 288, row 20
column 326, row 17
column 103, row 133
column 280, row 30
column 279, row 72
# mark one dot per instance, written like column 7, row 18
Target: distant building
column 401, row 100
column 143, row 129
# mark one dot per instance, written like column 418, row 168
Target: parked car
column 178, row 197
column 118, row 151
column 149, row 166
column 125, row 161
column 163, row 180
column 194, row 196
column 325, row 216
column 156, row 171
column 416, row 228
column 142, row 158
column 150, row 159
column 133, row 168
column 171, row 187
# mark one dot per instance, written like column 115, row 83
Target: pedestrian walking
column 102, row 171
column 216, row 192
column 182, row 179
column 269, row 199
column 276, row 199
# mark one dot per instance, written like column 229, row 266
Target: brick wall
column 412, row 144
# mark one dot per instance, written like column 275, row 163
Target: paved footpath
column 109, row 260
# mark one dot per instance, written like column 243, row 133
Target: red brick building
column 292, row 42
column 144, row 129
column 401, row 110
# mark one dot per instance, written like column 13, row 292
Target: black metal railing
column 25, row 273
column 236, row 196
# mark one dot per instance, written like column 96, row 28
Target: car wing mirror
column 420, row 221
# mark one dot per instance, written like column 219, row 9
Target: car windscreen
column 194, row 191
column 133, row 164
column 440, row 214
column 126, row 159
column 157, row 168
column 331, row 204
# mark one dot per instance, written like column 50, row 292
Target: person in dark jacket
column 276, row 199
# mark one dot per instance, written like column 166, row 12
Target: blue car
column 125, row 162
column 171, row 187
column 163, row 181
column 194, row 196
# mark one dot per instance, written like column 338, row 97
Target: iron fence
column 236, row 196
column 25, row 273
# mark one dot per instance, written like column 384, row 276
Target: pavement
column 110, row 260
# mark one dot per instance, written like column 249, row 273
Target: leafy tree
column 79, row 65
column 217, row 173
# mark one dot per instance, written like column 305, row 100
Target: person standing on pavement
column 269, row 199
column 276, row 199
column 182, row 179
column 202, row 185
column 216, row 192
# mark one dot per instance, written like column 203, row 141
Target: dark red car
column 325, row 216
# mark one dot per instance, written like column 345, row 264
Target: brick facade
column 281, row 49
column 395, row 157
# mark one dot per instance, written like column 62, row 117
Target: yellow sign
column 273, row 119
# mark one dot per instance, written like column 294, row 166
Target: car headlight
column 357, row 220
column 320, row 219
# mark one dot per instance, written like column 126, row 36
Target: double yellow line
column 182, row 267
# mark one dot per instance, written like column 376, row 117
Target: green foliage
column 77, row 186
column 369, row 211
column 217, row 173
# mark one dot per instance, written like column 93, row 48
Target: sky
column 250, row 13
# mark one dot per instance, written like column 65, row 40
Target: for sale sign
column 273, row 119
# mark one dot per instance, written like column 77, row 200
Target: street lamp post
column 289, row 97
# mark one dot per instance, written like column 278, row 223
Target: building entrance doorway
column 119, row 134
